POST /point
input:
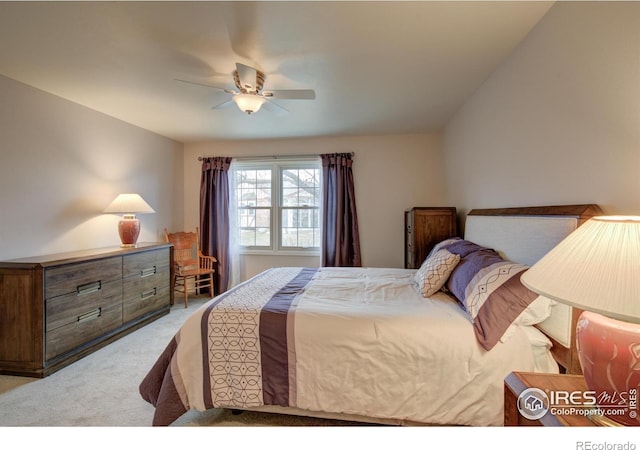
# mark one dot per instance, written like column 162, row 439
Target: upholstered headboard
column 524, row 235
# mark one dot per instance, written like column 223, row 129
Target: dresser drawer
column 91, row 325
column 146, row 263
column 152, row 301
column 81, row 277
column 145, row 294
column 78, row 307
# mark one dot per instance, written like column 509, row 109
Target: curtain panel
column 340, row 236
column 214, row 216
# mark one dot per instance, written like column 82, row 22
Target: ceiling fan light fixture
column 248, row 103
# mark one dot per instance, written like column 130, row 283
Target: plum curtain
column 340, row 236
column 214, row 216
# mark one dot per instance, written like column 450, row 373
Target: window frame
column 277, row 167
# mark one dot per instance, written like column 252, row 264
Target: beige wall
column 559, row 121
column 392, row 173
column 62, row 163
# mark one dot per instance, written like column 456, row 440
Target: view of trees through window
column 254, row 193
column 300, row 208
column 279, row 203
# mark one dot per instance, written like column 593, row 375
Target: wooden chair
column 192, row 269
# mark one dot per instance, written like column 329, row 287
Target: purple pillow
column 463, row 248
column 489, row 289
column 473, row 258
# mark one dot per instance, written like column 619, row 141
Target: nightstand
column 516, row 382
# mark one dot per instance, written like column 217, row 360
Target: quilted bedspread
column 358, row 341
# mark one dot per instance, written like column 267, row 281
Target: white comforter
column 362, row 341
column 367, row 343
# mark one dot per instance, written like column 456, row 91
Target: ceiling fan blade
column 248, row 76
column 274, row 108
column 223, row 105
column 228, row 91
column 291, row 94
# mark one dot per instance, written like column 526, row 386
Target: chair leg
column 173, row 289
column 186, row 304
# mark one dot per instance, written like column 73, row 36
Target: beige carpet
column 102, row 388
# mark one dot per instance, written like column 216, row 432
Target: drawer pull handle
column 148, row 272
column 88, row 288
column 148, row 294
column 90, row 315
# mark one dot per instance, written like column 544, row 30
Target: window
column 278, row 205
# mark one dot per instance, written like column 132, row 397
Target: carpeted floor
column 102, row 388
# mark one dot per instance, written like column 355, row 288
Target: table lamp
column 597, row 269
column 129, row 226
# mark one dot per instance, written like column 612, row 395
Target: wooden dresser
column 55, row 309
column 424, row 227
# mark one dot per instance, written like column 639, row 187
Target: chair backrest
column 185, row 246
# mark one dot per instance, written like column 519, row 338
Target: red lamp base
column 129, row 229
column 609, row 353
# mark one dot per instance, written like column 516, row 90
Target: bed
column 366, row 344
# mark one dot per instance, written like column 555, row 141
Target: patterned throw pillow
column 435, row 271
column 495, row 298
column 489, row 290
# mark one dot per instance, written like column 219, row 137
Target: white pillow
column 538, row 311
column 435, row 271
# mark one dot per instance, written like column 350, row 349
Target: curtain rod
column 200, row 158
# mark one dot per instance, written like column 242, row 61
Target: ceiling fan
column 249, row 95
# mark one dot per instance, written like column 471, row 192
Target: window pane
column 290, row 237
column 305, row 237
column 290, row 218
column 253, row 189
column 299, row 227
column 289, row 178
column 316, row 237
column 263, row 218
column 307, row 197
column 247, row 197
column 290, row 197
column 247, row 237
column 246, row 177
column 263, row 178
column 308, row 176
column 263, row 237
column 301, row 187
column 263, row 196
column 247, row 218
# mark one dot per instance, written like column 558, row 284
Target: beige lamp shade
column 129, row 227
column 595, row 268
column 129, row 204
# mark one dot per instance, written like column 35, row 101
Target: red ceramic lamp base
column 129, row 229
column 609, row 352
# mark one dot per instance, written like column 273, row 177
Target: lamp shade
column 129, row 226
column 248, row 103
column 595, row 268
column 129, row 203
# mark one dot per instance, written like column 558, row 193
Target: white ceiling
column 376, row 67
